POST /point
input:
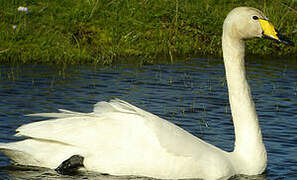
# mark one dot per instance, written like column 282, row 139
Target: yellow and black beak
column 270, row 32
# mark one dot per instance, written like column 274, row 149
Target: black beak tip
column 288, row 42
column 283, row 39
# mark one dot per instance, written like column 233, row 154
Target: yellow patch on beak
column 268, row 29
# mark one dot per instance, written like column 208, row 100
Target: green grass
column 105, row 31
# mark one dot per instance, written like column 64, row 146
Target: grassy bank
column 102, row 31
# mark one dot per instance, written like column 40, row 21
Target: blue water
column 193, row 95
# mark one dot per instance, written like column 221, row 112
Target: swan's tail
column 34, row 152
column 17, row 156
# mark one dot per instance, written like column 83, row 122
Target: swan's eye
column 255, row 17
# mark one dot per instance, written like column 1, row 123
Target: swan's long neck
column 248, row 138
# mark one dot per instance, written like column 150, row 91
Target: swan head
column 246, row 22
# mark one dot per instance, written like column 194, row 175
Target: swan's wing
column 171, row 137
column 110, row 124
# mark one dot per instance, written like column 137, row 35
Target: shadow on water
column 37, row 173
column 34, row 173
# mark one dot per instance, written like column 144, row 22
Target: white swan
column 120, row 139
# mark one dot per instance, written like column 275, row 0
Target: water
column 193, row 95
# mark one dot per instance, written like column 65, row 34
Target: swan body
column 120, row 139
